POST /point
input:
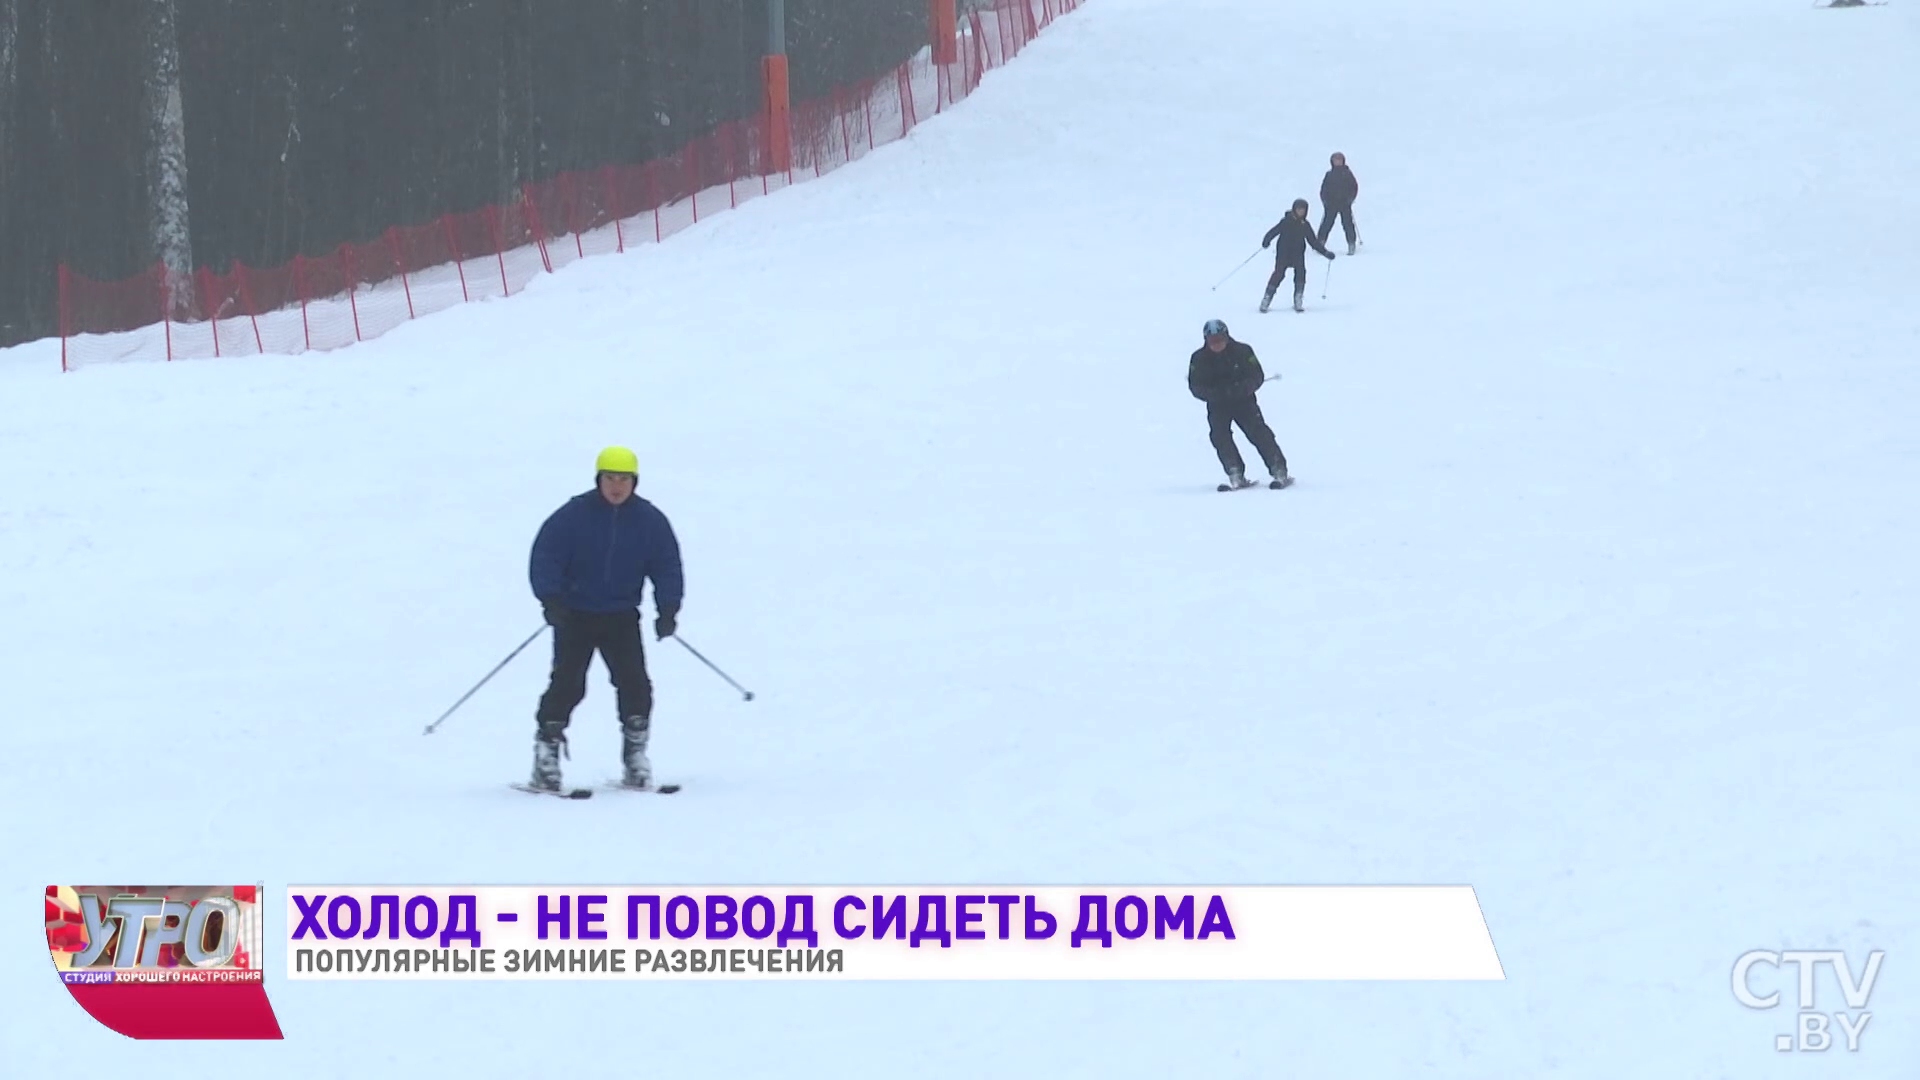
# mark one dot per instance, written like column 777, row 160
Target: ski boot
column 548, row 744
column 1350, row 247
column 1265, row 303
column 1280, row 477
column 1299, row 301
column 1236, row 479
column 637, row 771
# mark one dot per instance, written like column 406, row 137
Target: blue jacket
column 591, row 555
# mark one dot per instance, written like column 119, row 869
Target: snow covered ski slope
column 1596, row 591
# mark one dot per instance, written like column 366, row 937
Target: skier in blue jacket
column 590, row 564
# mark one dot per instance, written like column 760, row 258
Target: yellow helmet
column 617, row 459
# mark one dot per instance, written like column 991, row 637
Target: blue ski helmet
column 1214, row 327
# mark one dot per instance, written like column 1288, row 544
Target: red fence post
column 570, row 197
column 166, row 309
column 846, row 143
column 459, row 261
column 733, row 166
column 65, row 324
column 300, row 286
column 353, row 303
column 692, row 175
column 904, row 75
column 203, row 283
column 980, row 54
column 539, row 233
column 393, row 242
column 246, row 298
column 653, row 197
column 612, row 181
column 499, row 246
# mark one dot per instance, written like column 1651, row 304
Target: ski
column 660, row 789
column 1230, row 487
column 564, row 793
column 1279, row 485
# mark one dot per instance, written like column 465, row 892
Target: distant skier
column 590, row 562
column 1338, row 190
column 1294, row 234
column 1227, row 375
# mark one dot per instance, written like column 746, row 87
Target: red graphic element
column 180, row 1010
column 66, row 928
column 168, row 1000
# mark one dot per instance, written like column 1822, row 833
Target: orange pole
column 773, row 71
column 946, row 32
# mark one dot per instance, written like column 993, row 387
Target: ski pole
column 483, row 682
column 744, row 692
column 1237, row 269
column 1328, row 283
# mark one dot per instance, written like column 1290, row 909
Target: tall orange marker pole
column 773, row 75
column 946, row 32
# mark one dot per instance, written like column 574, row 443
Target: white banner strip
column 887, row 932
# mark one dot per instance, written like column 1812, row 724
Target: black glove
column 555, row 612
column 663, row 626
column 1329, row 256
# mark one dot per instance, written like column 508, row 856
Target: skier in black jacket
column 1338, row 190
column 1294, row 235
column 1226, row 375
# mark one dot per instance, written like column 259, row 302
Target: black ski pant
column 1345, row 214
column 616, row 637
column 1280, row 269
column 1222, row 416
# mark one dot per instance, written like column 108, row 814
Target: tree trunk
column 167, row 130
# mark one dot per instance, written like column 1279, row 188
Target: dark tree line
column 204, row 132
